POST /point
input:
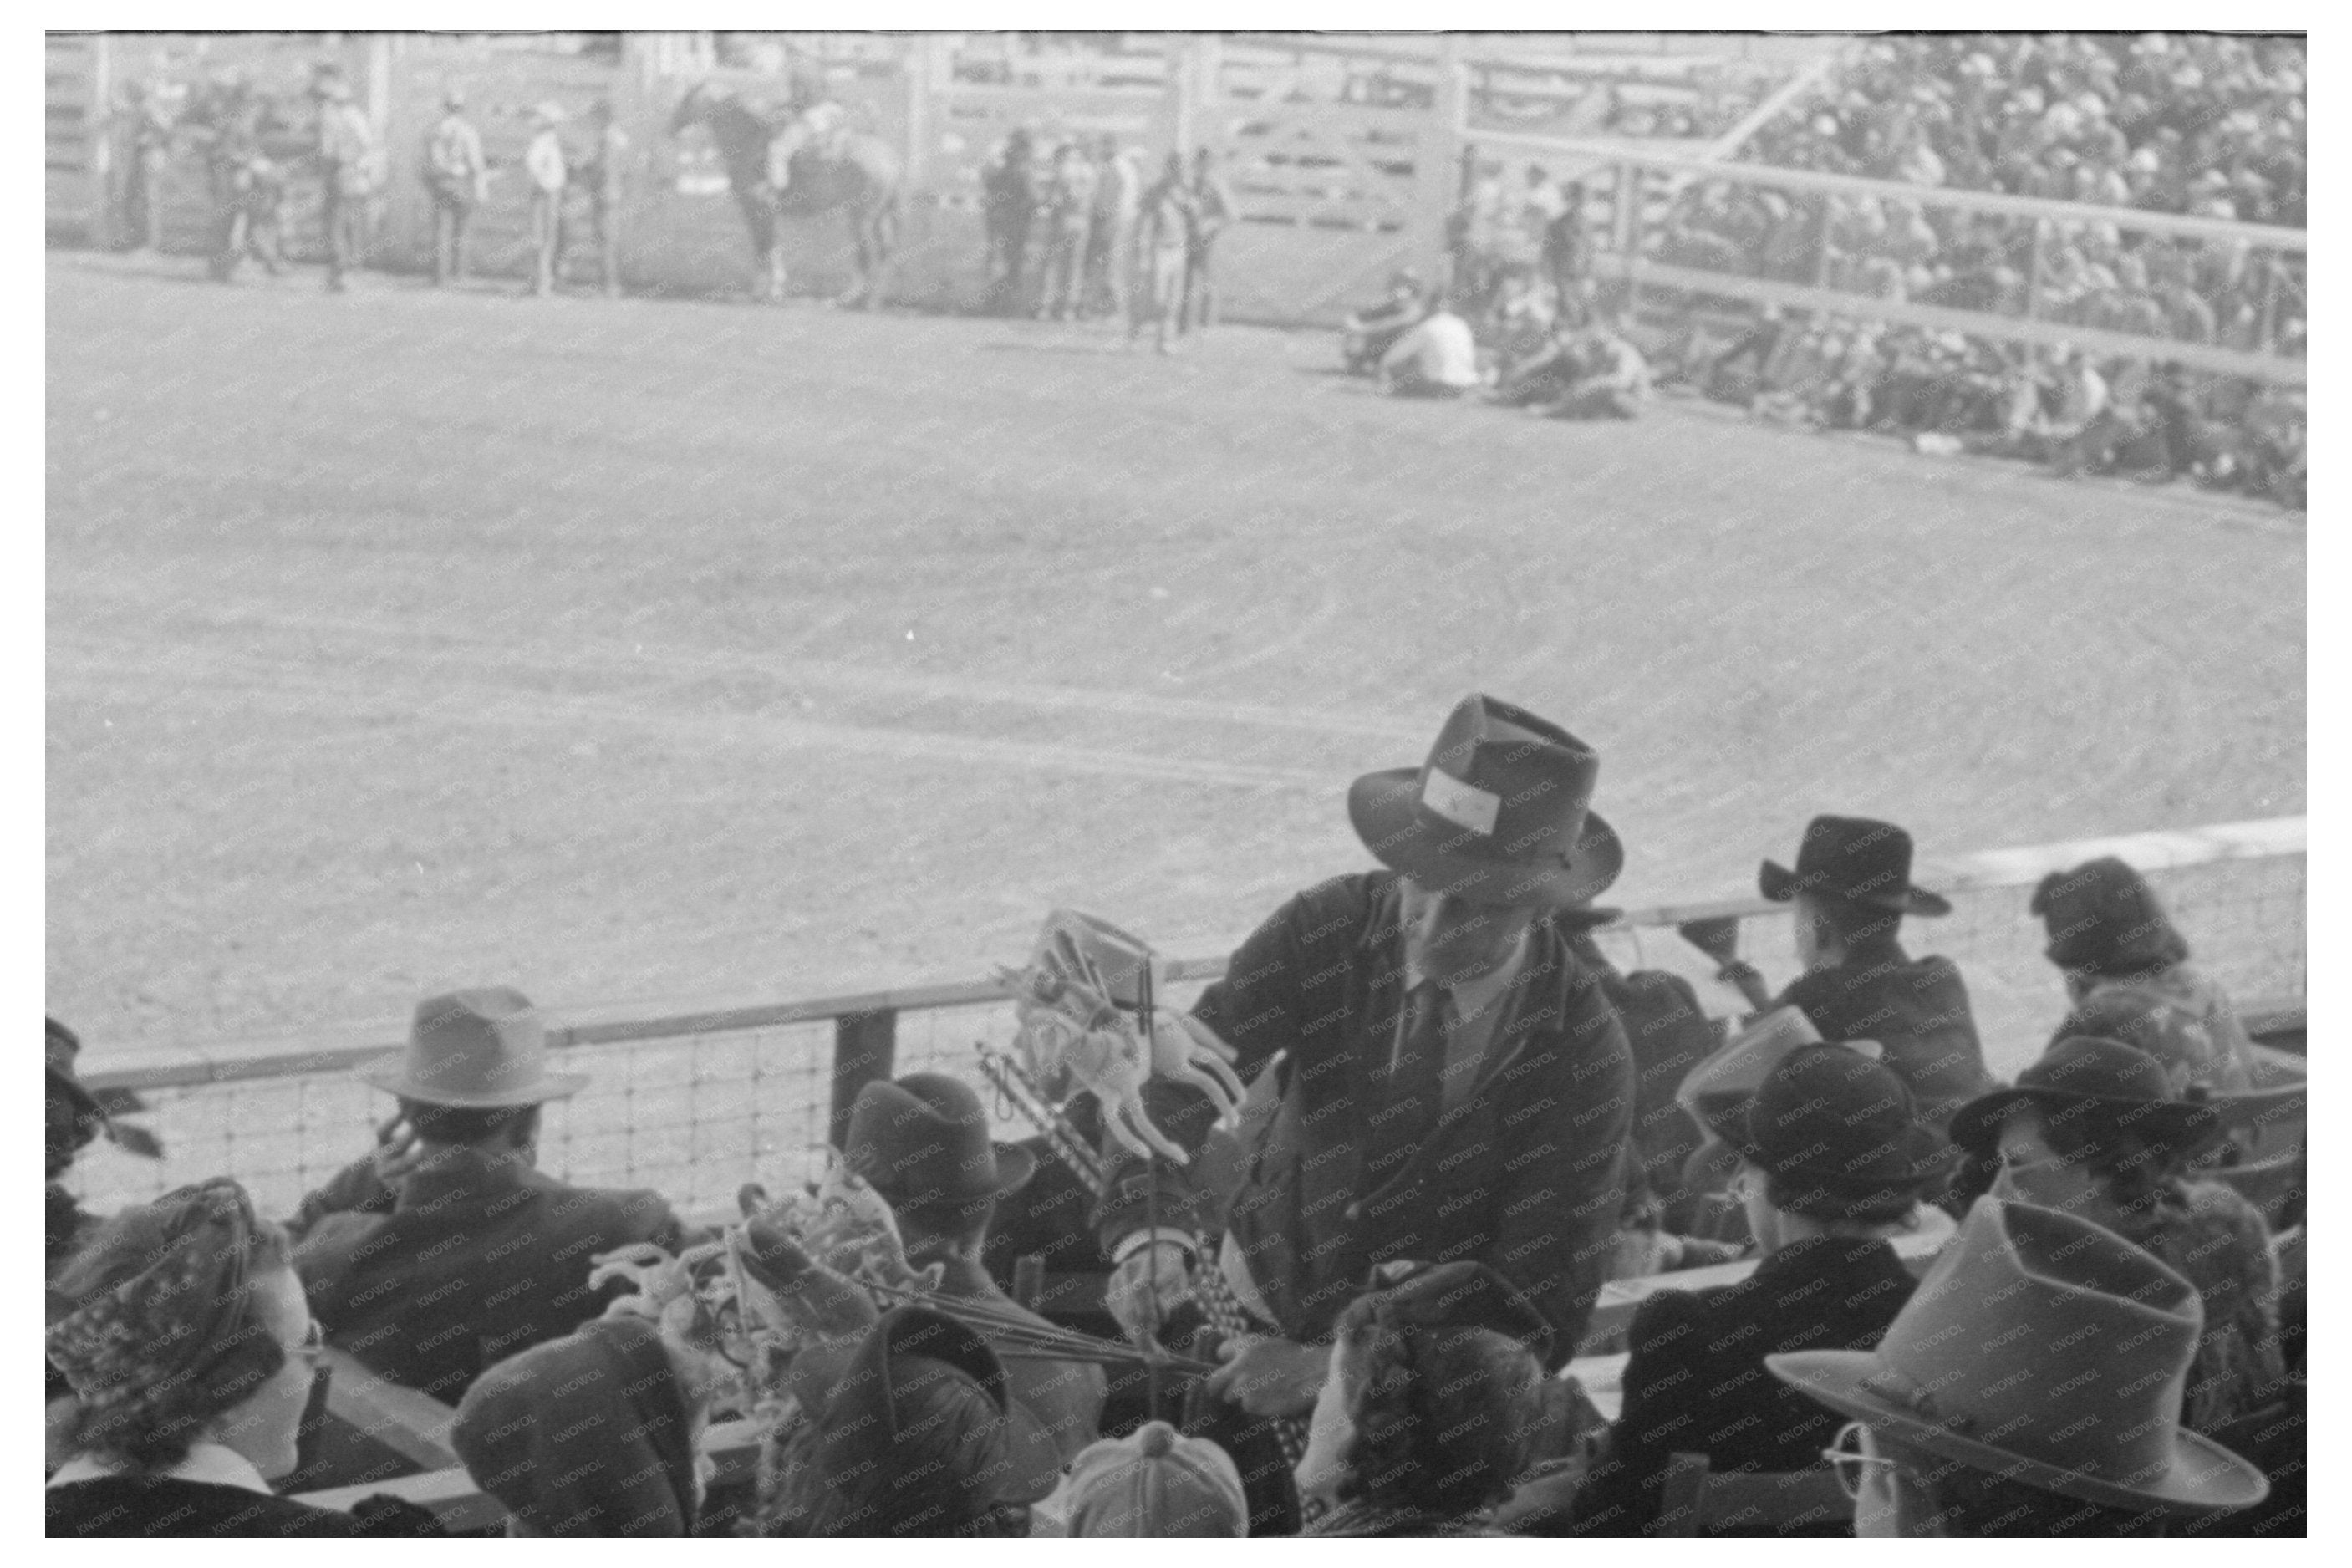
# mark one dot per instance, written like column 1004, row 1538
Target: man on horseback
column 816, row 126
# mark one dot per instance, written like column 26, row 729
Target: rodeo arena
column 1347, row 785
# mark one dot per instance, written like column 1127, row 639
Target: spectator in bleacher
column 191, row 1353
column 446, row 1250
column 2111, row 936
column 922, row 1143
column 544, row 164
column 1367, row 335
column 1851, row 889
column 1067, row 200
column 1213, row 211
column 911, row 1431
column 1427, row 1413
column 2095, row 1128
column 1832, row 1160
column 73, row 1119
column 457, row 178
column 1455, row 1086
column 1956, row 1429
column 1435, row 357
column 1156, row 1484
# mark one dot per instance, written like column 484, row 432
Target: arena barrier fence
column 696, row 1103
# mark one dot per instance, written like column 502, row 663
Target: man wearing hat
column 446, row 1250
column 922, row 1143
column 2031, row 1387
column 1454, row 1085
column 349, row 177
column 1832, row 1161
column 544, row 161
column 1850, row 891
column 458, row 177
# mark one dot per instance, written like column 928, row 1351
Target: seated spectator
column 2125, row 960
column 1437, row 357
column 1368, row 334
column 922, row 1143
column 1155, row 1484
column 446, row 1250
column 1612, row 380
column 1833, row 1161
column 1543, row 376
column 911, row 1431
column 2094, row 1129
column 191, row 1354
column 1429, row 1410
column 1851, row 889
column 1956, row 1431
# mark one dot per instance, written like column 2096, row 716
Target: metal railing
column 695, row 1103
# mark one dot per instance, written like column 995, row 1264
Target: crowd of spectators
column 2096, row 1234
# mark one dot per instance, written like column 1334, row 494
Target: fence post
column 2272, row 266
column 97, row 132
column 864, row 1047
column 1439, row 156
column 1628, row 238
column 2041, row 266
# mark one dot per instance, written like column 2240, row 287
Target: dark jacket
column 1066, row 1396
column 474, row 1261
column 163, row 1505
column 1696, row 1383
column 584, row 1435
column 1527, row 1174
column 1916, row 1008
column 1668, row 1034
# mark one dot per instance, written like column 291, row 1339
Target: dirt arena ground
column 662, row 650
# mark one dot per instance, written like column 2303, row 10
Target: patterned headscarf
column 174, row 1339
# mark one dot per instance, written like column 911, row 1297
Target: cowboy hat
column 1854, row 858
column 1833, row 1116
column 2023, row 1301
column 924, row 1140
column 1500, row 813
column 851, row 1389
column 2107, row 1083
column 480, row 1048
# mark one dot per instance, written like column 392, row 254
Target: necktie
column 1415, row 1087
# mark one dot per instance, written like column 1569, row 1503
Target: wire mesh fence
column 696, row 1115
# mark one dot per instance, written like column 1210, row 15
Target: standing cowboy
column 1165, row 239
column 543, row 162
column 347, row 156
column 446, row 1250
column 1453, row 1085
column 1069, row 198
column 457, row 177
column 146, row 127
column 1212, row 209
column 1110, row 236
column 602, row 178
column 1010, row 199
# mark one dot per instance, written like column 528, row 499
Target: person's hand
column 1159, row 1273
column 1718, row 938
column 398, row 1151
column 1270, row 1376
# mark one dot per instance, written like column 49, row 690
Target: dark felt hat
column 1456, row 1296
column 62, row 1046
column 1833, row 1118
column 854, row 1391
column 2105, row 1084
column 2102, row 916
column 924, row 1139
column 1501, row 812
column 1854, row 858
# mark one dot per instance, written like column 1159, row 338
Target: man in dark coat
column 444, row 1250
column 1851, row 886
column 1833, row 1160
column 1454, row 1083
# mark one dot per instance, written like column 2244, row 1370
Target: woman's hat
column 924, row 1139
column 1500, row 813
column 480, row 1049
column 1833, row 1116
column 2026, row 1303
column 1156, row 1483
column 854, row 1391
column 2104, row 1083
column 2102, row 916
column 1718, row 1087
column 1854, row 858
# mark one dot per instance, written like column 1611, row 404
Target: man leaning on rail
column 1454, row 1083
column 446, row 1250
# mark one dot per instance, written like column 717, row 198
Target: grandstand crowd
column 1346, row 1300
column 2206, row 126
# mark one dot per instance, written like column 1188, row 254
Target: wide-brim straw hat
column 1501, row 813
column 478, row 1049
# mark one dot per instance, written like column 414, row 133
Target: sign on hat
column 2024, row 1302
column 481, row 1048
column 1501, row 812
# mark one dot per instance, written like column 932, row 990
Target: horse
column 860, row 176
